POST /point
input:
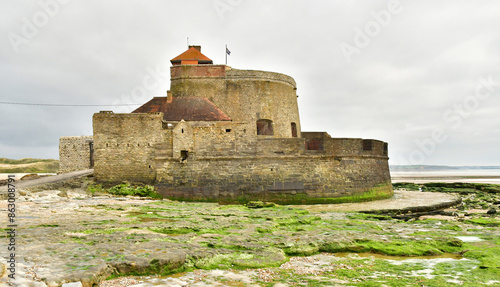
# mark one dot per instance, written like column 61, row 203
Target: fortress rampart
column 281, row 179
column 229, row 135
column 282, row 171
column 223, row 164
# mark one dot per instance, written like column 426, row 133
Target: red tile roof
column 192, row 54
column 184, row 108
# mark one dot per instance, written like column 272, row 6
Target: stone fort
column 228, row 135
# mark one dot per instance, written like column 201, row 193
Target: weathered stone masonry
column 126, row 146
column 230, row 135
column 75, row 153
column 280, row 177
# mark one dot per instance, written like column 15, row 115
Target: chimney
column 196, row 47
column 169, row 96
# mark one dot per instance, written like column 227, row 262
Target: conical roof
column 192, row 56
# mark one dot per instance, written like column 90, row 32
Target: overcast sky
column 423, row 76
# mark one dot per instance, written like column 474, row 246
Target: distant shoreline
column 488, row 176
column 419, row 168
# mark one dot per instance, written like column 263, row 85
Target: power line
column 65, row 105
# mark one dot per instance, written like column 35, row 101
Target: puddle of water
column 469, row 238
column 177, row 275
column 400, row 258
column 428, row 262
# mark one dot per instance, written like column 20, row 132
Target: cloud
column 428, row 58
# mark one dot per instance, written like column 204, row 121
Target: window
column 265, row 127
column 294, row 130
column 367, row 145
column 314, row 144
column 228, row 130
column 386, row 149
column 184, row 155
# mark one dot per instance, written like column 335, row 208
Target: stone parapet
column 235, row 74
column 285, row 180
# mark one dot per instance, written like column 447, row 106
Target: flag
column 228, row 52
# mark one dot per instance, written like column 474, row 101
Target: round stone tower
column 266, row 101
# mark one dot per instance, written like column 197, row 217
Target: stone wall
column 244, row 95
column 126, row 146
column 281, row 179
column 198, row 71
column 202, row 139
column 251, row 99
column 354, row 147
column 230, row 161
column 281, row 170
column 220, row 161
column 224, row 139
column 273, row 147
column 74, row 153
column 198, row 81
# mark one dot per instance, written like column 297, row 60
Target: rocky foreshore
column 72, row 236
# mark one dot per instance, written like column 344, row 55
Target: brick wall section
column 126, row 146
column 197, row 71
column 74, row 153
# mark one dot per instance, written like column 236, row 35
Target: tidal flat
column 69, row 234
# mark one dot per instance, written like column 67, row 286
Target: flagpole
column 225, row 52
